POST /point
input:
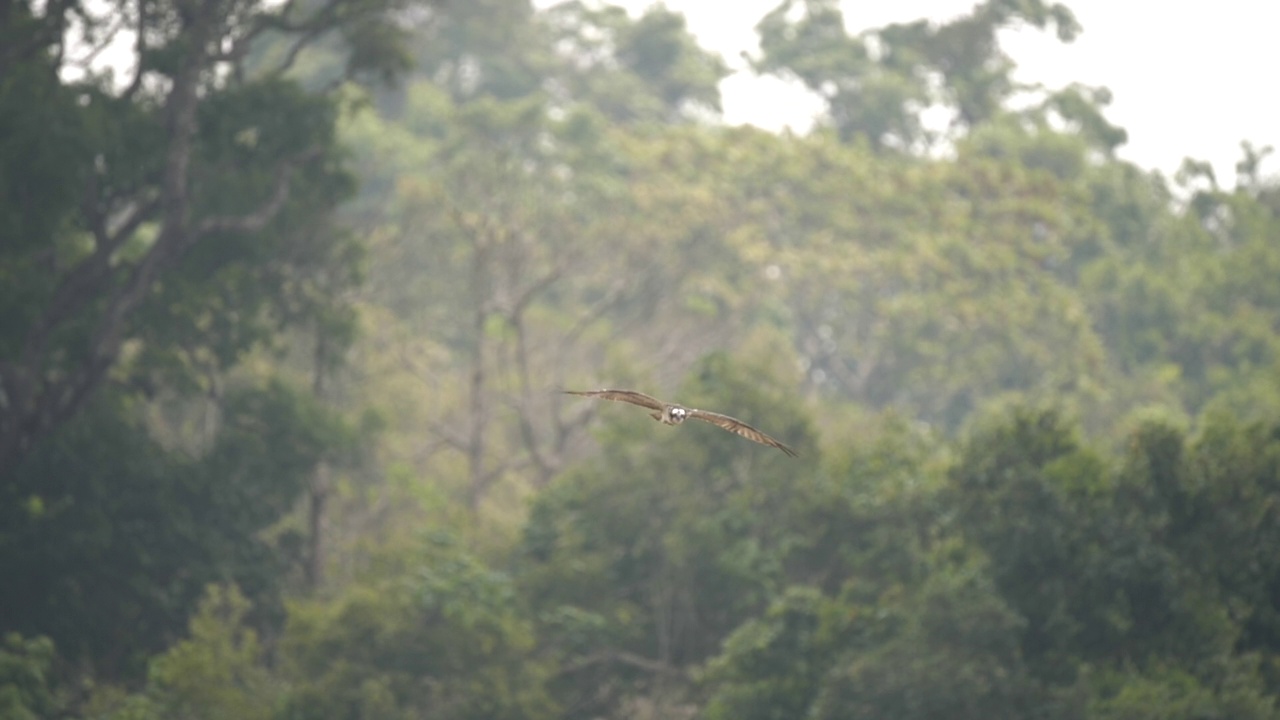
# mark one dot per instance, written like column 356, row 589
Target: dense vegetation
column 287, row 297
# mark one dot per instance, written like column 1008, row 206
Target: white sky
column 1187, row 79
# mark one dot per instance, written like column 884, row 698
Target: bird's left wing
column 738, row 427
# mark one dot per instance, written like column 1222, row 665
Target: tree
column 950, row 647
column 165, row 207
column 1180, row 290
column 217, row 673
column 877, row 84
column 539, row 285
column 1216, row 495
column 109, row 538
column 1110, row 567
column 27, row 686
column 901, row 619
column 642, row 561
column 648, row 69
column 447, row 640
column 921, row 285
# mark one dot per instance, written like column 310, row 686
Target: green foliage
column 284, row 448
column 1170, row 693
column 1070, row 552
column 42, row 130
column 218, row 672
column 925, row 287
column 1110, row 565
column 116, row 536
column 877, row 84
column 27, row 690
column 633, row 70
column 450, row 644
column 661, row 550
column 913, row 625
column 774, row 665
column 175, row 218
column 951, row 648
column 1219, row 504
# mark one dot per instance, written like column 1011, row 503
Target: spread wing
column 738, row 427
column 628, row 396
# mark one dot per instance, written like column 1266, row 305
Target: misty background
column 289, row 293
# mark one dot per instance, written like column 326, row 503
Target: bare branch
column 141, row 213
column 531, row 292
column 625, row 658
column 296, row 49
column 84, row 281
column 546, row 467
column 39, row 402
column 321, row 21
column 280, row 21
column 139, row 51
column 95, row 49
column 449, row 438
column 258, row 219
column 595, row 312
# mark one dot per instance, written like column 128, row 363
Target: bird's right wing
column 627, row 396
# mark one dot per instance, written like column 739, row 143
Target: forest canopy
column 289, row 293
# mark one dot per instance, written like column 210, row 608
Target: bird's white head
column 676, row 415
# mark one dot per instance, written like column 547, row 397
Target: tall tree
column 185, row 192
column 878, row 83
column 107, row 538
column 649, row 68
column 642, row 561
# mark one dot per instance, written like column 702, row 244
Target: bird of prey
column 673, row 414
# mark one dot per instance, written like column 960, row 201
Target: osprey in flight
column 672, row 414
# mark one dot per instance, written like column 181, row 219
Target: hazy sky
column 1188, row 79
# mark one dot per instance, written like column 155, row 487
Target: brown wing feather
column 738, row 427
column 628, row 396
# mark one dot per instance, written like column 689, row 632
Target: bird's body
column 671, row 415
column 674, row 414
